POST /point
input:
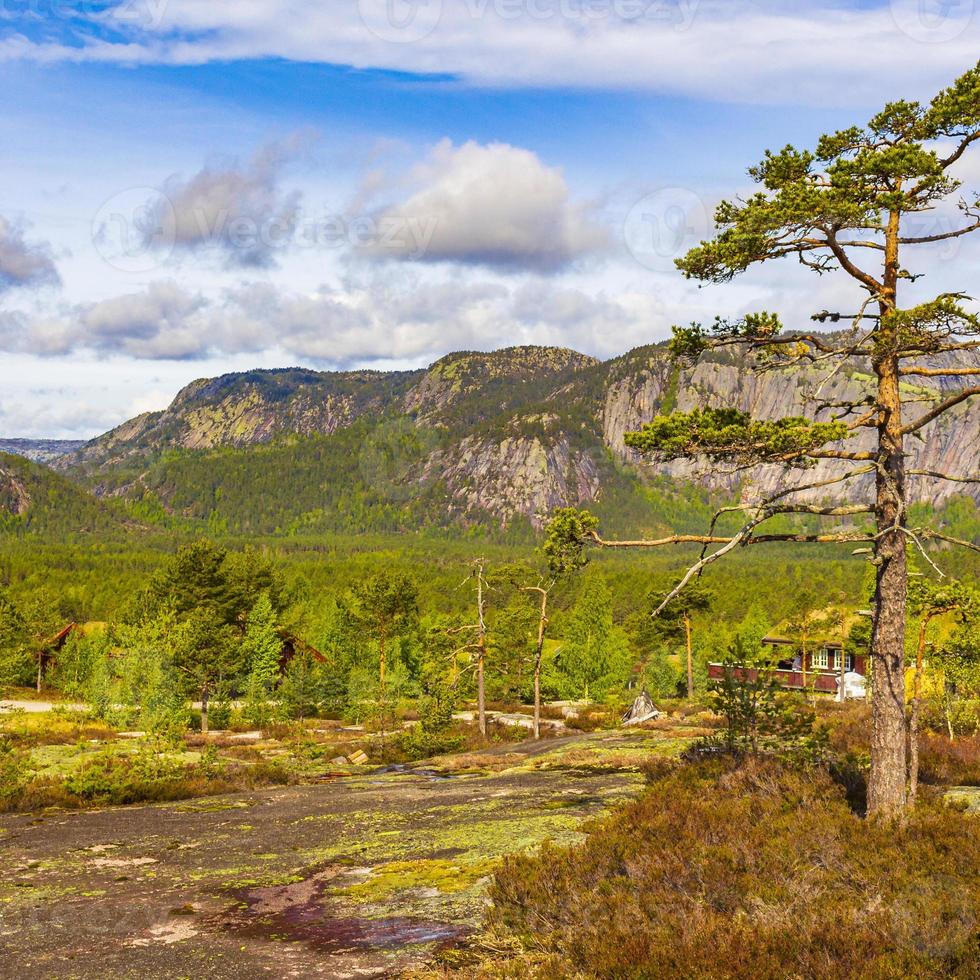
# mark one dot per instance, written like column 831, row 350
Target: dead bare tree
column 543, row 592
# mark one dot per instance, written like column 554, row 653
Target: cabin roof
column 825, row 627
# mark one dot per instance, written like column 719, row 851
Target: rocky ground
column 358, row 876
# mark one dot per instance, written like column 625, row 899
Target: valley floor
column 359, row 876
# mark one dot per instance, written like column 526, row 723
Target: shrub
column 15, row 771
column 108, row 778
column 949, row 763
column 219, row 715
column 751, row 869
column 422, row 742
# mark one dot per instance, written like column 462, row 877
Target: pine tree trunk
column 803, row 665
column 887, row 782
column 382, row 678
column 481, row 697
column 840, row 669
column 889, row 730
column 205, row 695
column 886, row 786
column 537, row 701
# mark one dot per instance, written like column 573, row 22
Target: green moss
column 446, row 877
column 216, row 806
column 669, row 403
column 968, row 796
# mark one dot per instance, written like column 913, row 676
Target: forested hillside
column 35, row 500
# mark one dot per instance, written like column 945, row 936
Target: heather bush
column 15, row 770
column 949, row 763
column 751, row 869
column 148, row 775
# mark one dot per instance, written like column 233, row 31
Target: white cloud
column 495, row 205
column 380, row 321
column 23, row 263
column 235, row 208
column 50, row 414
column 768, row 51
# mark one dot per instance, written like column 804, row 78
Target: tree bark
column 887, row 782
column 803, row 662
column 538, row 655
column 690, row 658
column 205, row 695
column 840, row 665
column 481, row 699
column 40, row 671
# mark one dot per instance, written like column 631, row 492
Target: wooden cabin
column 818, row 670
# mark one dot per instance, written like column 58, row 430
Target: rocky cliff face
column 521, row 431
column 948, row 444
column 519, row 475
column 15, row 498
column 246, row 410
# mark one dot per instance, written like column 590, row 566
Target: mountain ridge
column 482, row 436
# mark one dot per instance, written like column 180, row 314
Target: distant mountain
column 40, row 450
column 493, row 438
column 33, row 499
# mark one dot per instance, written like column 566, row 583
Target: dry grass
column 28, row 729
column 492, row 761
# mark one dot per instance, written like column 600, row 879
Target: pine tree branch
column 942, row 236
column 945, row 537
column 658, row 542
column 840, row 536
column 862, row 457
column 942, row 407
column 939, row 372
column 866, row 279
column 861, row 471
column 917, row 350
column 745, row 537
column 936, row 475
column 843, row 510
column 965, row 144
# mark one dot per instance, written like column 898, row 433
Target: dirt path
column 353, row 878
column 39, row 707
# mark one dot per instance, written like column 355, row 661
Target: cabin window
column 820, row 659
column 848, row 661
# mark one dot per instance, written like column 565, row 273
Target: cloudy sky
column 190, row 187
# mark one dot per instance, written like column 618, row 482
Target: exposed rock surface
column 14, row 496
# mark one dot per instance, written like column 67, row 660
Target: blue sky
column 191, row 187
